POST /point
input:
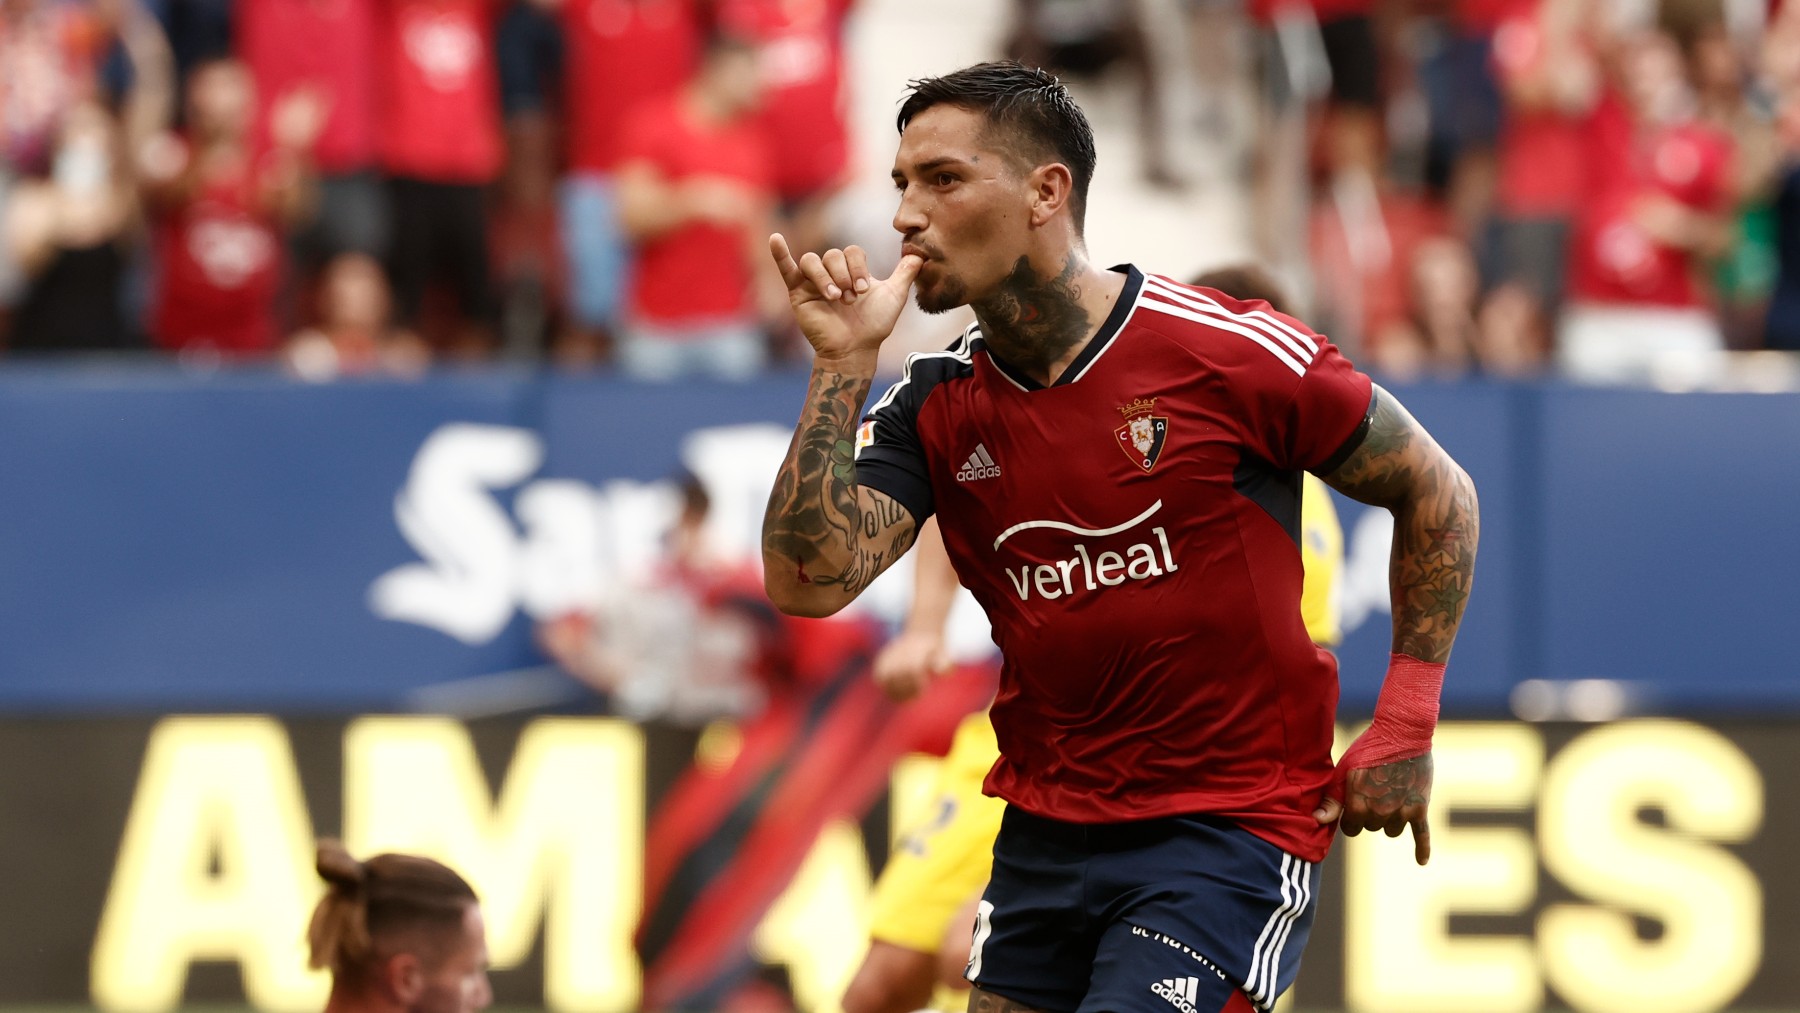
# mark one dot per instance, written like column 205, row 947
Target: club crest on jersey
column 1142, row 435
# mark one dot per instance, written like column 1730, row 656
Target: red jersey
column 441, row 108
column 698, row 270
column 1484, row 17
column 802, row 58
column 328, row 45
column 1543, row 152
column 620, row 54
column 1133, row 533
column 219, row 260
column 1613, row 258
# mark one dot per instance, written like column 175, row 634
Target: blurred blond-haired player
column 924, row 909
column 399, row 934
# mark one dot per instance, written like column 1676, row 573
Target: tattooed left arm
column 1386, row 775
column 1436, row 525
column 825, row 537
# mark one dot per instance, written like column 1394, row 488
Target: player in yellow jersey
column 939, row 864
column 919, row 934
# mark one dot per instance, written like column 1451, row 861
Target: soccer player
column 399, row 934
column 917, row 936
column 1113, row 458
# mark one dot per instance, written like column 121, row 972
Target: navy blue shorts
column 1188, row 914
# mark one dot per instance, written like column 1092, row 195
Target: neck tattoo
column 1033, row 321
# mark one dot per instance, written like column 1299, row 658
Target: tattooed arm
column 1386, row 774
column 1436, row 524
column 824, row 537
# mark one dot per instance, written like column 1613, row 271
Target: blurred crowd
column 366, row 186
column 1604, row 187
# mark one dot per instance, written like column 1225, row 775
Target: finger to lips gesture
column 841, row 307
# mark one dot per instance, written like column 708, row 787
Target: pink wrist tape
column 1406, row 714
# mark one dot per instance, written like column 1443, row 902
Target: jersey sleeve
column 890, row 457
column 890, row 454
column 1304, row 406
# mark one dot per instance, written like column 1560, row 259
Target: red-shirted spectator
column 696, row 196
column 802, row 59
column 440, row 146
column 673, row 646
column 1551, row 81
column 1660, row 185
column 219, row 209
column 619, row 54
column 328, row 47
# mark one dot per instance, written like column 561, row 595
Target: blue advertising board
column 247, row 542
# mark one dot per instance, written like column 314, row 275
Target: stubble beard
column 946, row 295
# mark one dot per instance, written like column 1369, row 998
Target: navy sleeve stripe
column 1355, row 440
column 890, row 456
column 958, row 351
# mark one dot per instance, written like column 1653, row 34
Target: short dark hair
column 1027, row 102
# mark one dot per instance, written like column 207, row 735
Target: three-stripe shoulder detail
column 1293, row 347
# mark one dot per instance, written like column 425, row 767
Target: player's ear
column 1052, row 187
column 404, row 978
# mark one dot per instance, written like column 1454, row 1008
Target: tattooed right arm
column 824, row 537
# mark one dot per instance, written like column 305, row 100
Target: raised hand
column 843, row 310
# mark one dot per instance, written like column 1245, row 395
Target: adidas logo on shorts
column 978, row 466
column 1181, row 992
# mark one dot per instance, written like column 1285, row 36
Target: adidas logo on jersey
column 1181, row 992
column 978, row 466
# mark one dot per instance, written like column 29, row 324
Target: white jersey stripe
column 1268, row 932
column 1303, row 879
column 1266, row 965
column 958, row 351
column 1272, row 969
column 1261, row 967
column 1294, row 340
column 986, row 458
column 1302, row 896
column 1305, row 340
column 1226, row 325
column 1211, row 307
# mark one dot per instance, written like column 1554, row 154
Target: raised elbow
column 799, row 600
column 807, row 607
